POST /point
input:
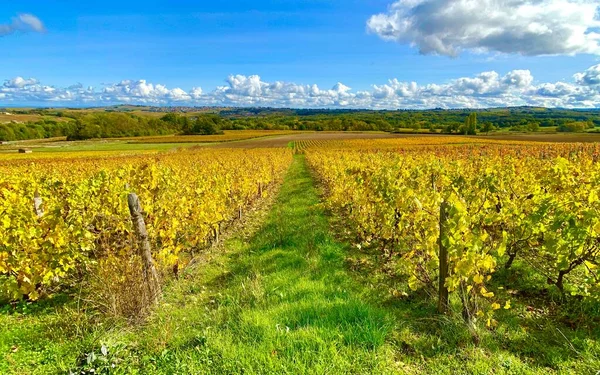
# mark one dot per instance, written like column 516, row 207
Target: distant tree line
column 16, row 131
column 124, row 122
column 79, row 126
column 113, row 125
column 445, row 121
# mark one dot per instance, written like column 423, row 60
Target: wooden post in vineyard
column 443, row 259
column 37, row 204
column 150, row 275
column 217, row 230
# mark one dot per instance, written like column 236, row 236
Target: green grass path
column 281, row 303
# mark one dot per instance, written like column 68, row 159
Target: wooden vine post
column 37, row 204
column 217, row 231
column 443, row 259
column 150, row 275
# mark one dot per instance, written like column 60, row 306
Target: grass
column 4, row 118
column 52, row 146
column 115, row 146
column 100, row 146
column 227, row 136
column 280, row 302
column 289, row 299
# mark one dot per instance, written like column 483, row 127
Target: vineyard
column 405, row 255
column 228, row 135
column 83, row 221
column 301, row 146
column 486, row 206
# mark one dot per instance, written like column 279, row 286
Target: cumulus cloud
column 20, row 82
column 486, row 89
column 590, row 77
column 142, row 92
column 196, row 93
column 22, row 23
column 252, row 91
column 525, row 27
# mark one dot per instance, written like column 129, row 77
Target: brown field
column 284, row 140
column 229, row 135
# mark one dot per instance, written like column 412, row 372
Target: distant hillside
column 132, row 120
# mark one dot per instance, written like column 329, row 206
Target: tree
column 576, row 127
column 470, row 126
column 452, row 128
column 204, row 126
column 171, row 118
column 186, row 127
column 487, row 127
column 533, row 126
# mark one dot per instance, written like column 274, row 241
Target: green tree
column 533, row 126
column 575, row 127
column 204, row 126
column 487, row 127
column 186, row 126
column 171, row 118
column 470, row 125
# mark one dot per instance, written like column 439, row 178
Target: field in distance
column 245, row 139
column 48, row 147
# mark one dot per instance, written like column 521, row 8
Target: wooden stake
column 150, row 275
column 217, row 230
column 37, row 204
column 443, row 259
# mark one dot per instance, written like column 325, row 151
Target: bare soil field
column 283, row 141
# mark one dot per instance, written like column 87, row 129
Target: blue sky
column 191, row 44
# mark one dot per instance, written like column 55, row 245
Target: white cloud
column 252, row 91
column 525, row 27
column 518, row 78
column 20, row 82
column 22, row 23
column 590, row 77
column 196, row 93
column 486, row 89
column 142, row 92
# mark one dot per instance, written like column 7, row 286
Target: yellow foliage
column 184, row 195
